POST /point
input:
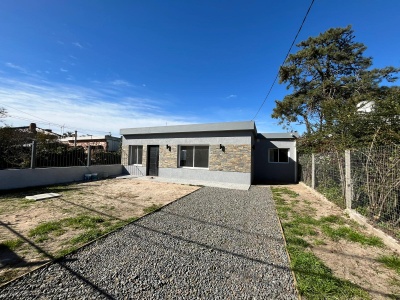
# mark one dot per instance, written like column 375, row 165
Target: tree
column 328, row 77
column 3, row 113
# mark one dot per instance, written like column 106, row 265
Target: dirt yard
column 348, row 260
column 35, row 232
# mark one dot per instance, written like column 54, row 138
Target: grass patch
column 285, row 191
column 390, row 261
column 42, row 231
column 316, row 281
column 83, row 222
column 87, row 236
column 11, row 244
column 347, row 233
column 151, row 208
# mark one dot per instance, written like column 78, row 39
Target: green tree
column 328, row 77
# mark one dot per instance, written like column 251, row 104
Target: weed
column 11, row 244
column 41, row 231
column 152, row 208
column 286, row 191
column 390, row 261
column 332, row 219
column 347, row 233
column 87, row 236
column 83, row 222
column 318, row 242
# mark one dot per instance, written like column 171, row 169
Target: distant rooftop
column 210, row 127
column 89, row 138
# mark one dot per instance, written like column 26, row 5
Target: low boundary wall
column 22, row 178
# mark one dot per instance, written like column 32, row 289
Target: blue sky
column 98, row 66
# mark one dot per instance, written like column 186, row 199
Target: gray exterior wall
column 264, row 171
column 14, row 179
column 233, row 165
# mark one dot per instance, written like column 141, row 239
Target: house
column 32, row 131
column 104, row 142
column 231, row 152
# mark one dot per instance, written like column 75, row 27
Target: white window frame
column 194, row 146
column 131, row 151
column 278, row 162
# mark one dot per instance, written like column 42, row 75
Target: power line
column 287, row 54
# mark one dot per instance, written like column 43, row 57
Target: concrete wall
column 264, row 171
column 14, row 179
column 206, row 175
column 232, row 165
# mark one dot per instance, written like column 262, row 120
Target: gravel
column 212, row 244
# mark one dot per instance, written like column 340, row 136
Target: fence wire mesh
column 305, row 168
column 54, row 154
column 330, row 176
column 375, row 176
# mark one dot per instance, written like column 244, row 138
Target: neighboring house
column 32, row 130
column 104, row 142
column 229, row 152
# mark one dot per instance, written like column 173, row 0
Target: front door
column 153, row 161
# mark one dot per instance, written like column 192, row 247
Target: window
column 135, row 155
column 193, row 156
column 278, row 155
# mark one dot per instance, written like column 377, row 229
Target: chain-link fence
column 366, row 180
column 305, row 168
column 329, row 176
column 54, row 154
column 375, row 174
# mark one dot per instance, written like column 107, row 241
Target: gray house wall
column 265, row 171
column 234, row 165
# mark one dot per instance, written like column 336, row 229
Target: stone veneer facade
column 168, row 159
column 235, row 158
column 125, row 154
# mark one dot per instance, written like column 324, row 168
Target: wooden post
column 349, row 188
column 33, row 155
column 313, row 171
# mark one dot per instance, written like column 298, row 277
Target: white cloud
column 79, row 108
column 77, row 45
column 119, row 82
column 63, row 70
column 15, row 67
column 231, row 96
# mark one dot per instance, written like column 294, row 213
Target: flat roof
column 283, row 135
column 210, row 127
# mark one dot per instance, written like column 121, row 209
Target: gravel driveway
column 212, row 244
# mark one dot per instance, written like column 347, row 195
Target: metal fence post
column 347, row 164
column 89, row 155
column 33, row 155
column 313, row 170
